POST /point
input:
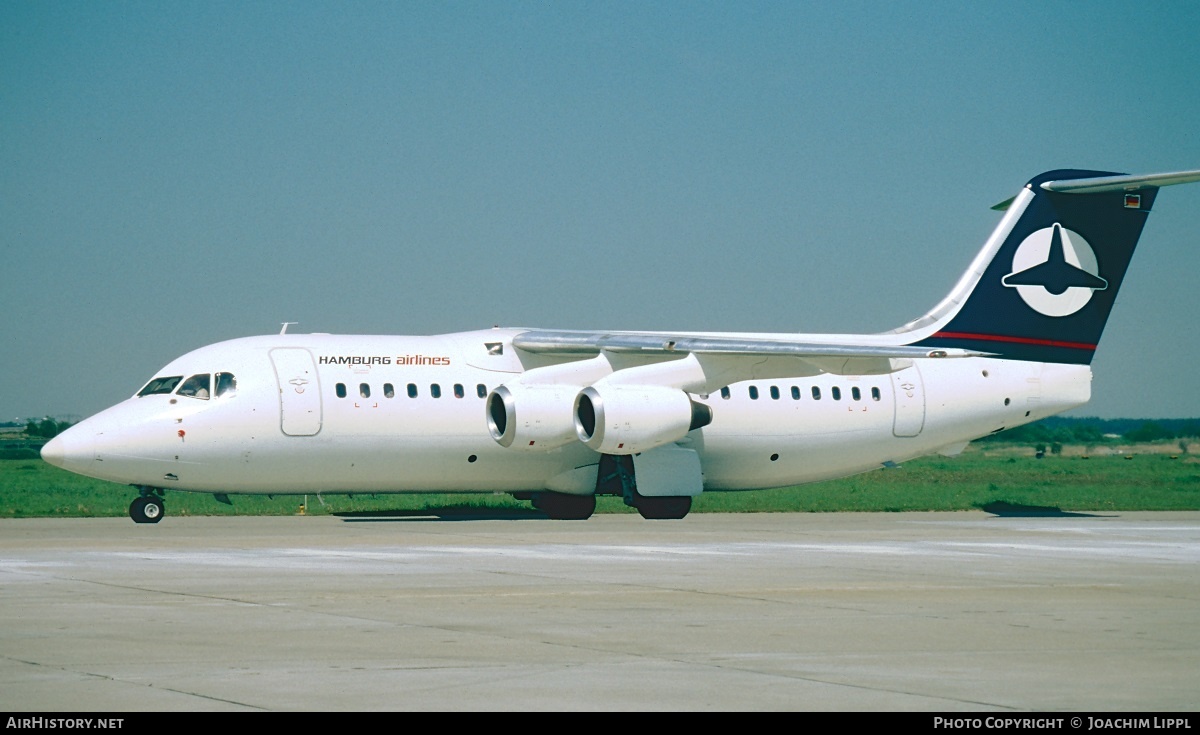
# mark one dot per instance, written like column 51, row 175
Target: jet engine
column 531, row 417
column 620, row 419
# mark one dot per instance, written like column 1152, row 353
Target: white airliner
column 559, row 417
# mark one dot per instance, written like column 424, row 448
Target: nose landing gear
column 148, row 507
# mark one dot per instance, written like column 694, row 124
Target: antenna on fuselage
column 285, row 326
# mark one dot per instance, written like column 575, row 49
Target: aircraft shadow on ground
column 442, row 514
column 1013, row 510
column 999, row 509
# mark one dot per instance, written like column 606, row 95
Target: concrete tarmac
column 938, row 612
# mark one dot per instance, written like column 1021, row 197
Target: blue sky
column 178, row 173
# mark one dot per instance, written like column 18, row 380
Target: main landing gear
column 148, row 507
column 614, row 476
column 563, row 507
column 669, row 507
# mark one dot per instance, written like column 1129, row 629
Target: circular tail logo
column 1055, row 272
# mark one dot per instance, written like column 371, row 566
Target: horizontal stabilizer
column 1124, row 182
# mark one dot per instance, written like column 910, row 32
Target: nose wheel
column 146, row 509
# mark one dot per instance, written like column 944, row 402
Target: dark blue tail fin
column 1051, row 281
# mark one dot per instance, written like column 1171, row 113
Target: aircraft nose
column 69, row 450
column 55, row 451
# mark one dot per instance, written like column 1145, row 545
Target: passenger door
column 299, row 391
column 909, row 392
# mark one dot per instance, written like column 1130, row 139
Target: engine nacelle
column 531, row 417
column 621, row 419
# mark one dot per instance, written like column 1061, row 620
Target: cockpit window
column 226, row 384
column 196, row 386
column 160, row 385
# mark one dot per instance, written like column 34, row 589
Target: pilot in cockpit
column 195, row 387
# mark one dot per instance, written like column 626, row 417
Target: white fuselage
column 349, row 424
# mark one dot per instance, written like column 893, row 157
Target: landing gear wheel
column 670, row 507
column 563, row 507
column 146, row 510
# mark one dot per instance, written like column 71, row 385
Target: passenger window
column 795, row 393
column 160, row 385
column 837, row 393
column 389, row 391
column 412, row 390
column 458, row 390
column 226, row 384
column 855, row 393
column 341, row 390
column 725, row 393
column 775, row 392
column 481, row 390
column 816, row 391
column 875, row 394
column 754, row 393
column 196, row 387
column 364, row 390
column 435, row 390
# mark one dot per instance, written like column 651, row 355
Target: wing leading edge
column 556, row 342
